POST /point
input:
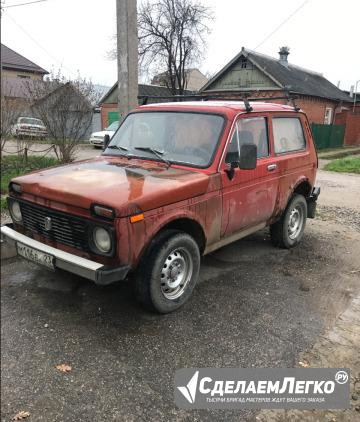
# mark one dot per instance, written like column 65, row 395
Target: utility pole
column 127, row 55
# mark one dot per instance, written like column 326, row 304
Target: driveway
column 255, row 305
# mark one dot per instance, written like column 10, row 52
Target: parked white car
column 29, row 126
column 97, row 138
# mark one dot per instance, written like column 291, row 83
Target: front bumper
column 83, row 267
column 31, row 133
column 96, row 141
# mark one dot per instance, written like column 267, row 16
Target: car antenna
column 247, row 103
column 291, row 99
column 145, row 100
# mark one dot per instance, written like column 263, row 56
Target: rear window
column 288, row 134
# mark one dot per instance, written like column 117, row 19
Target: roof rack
column 245, row 99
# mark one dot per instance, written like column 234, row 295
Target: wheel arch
column 303, row 187
column 189, row 226
column 182, row 223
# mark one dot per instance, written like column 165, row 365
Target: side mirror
column 248, row 156
column 106, row 141
column 232, row 161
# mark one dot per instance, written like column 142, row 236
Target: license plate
column 35, row 256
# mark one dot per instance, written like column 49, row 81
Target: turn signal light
column 14, row 187
column 103, row 211
column 136, row 218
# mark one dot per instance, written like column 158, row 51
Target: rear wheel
column 289, row 230
column 169, row 272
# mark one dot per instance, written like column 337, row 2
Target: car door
column 291, row 153
column 249, row 197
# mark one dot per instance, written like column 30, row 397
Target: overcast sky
column 76, row 35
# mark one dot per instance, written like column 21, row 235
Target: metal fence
column 328, row 136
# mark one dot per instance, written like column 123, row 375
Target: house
column 15, row 65
column 65, row 108
column 194, row 79
column 261, row 76
column 109, row 102
column 17, row 73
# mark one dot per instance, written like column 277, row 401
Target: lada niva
column 176, row 182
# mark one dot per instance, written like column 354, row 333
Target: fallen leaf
column 21, row 415
column 304, row 364
column 63, row 367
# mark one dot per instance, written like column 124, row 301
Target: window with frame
column 252, row 130
column 288, row 134
column 328, row 116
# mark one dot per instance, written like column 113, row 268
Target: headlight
column 102, row 239
column 15, row 211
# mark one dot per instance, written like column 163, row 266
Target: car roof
column 225, row 107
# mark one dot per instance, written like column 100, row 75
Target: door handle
column 272, row 167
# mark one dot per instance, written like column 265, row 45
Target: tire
column 168, row 272
column 289, row 230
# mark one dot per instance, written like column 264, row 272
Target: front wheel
column 289, row 230
column 169, row 272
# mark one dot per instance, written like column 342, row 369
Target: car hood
column 117, row 182
column 103, row 133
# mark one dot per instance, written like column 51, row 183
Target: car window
column 31, row 121
column 288, row 134
column 249, row 130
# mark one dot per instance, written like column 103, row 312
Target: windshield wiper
column 118, row 147
column 159, row 154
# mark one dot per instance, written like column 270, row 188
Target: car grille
column 69, row 230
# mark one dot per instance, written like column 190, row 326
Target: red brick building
column 262, row 76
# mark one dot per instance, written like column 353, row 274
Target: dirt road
column 255, row 305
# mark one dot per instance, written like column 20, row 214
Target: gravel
column 346, row 216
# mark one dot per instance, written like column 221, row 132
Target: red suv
column 177, row 181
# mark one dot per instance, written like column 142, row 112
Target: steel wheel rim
column 176, row 273
column 296, row 222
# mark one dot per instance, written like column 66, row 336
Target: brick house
column 262, row 76
column 109, row 102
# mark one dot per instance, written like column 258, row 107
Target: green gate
column 113, row 116
column 328, row 136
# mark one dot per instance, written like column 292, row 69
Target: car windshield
column 31, row 121
column 176, row 137
column 113, row 126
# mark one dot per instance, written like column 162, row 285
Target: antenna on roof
column 246, row 102
column 144, row 100
column 291, row 98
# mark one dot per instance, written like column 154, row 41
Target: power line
column 281, row 24
column 40, row 46
column 23, row 4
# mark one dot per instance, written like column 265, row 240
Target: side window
column 288, row 134
column 233, row 153
column 249, row 131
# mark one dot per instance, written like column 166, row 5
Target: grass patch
column 13, row 166
column 344, row 165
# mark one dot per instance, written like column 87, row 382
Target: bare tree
column 171, row 39
column 10, row 111
column 66, row 108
